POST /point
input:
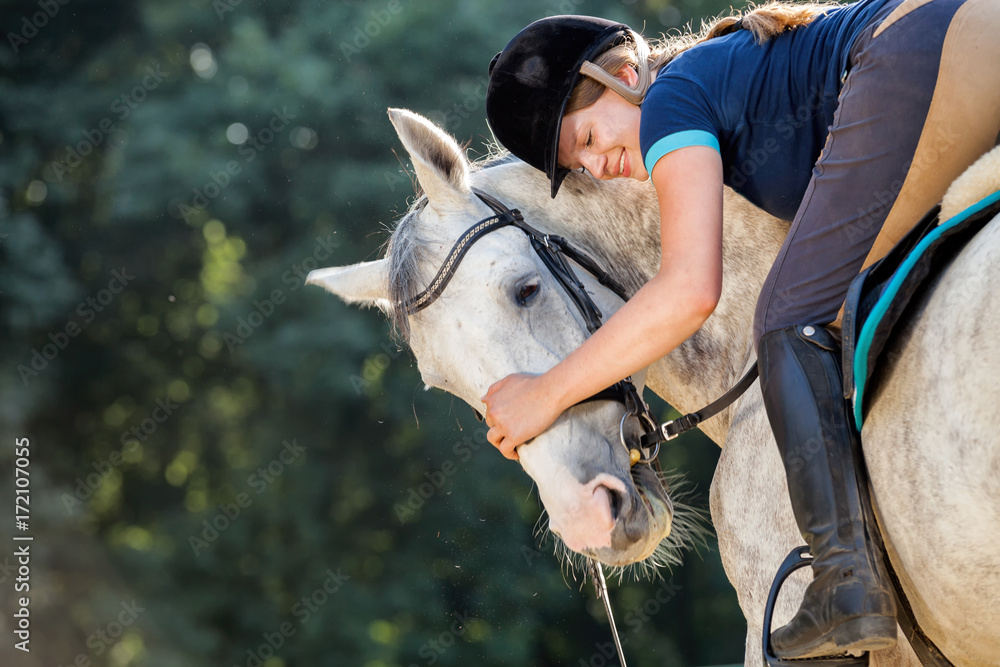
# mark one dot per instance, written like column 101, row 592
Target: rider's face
column 604, row 137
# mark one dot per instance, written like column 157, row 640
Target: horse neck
column 618, row 223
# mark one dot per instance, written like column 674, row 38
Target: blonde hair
column 763, row 22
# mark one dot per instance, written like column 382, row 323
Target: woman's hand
column 518, row 408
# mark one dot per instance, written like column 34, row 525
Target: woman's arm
column 661, row 315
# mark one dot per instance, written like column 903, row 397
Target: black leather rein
column 553, row 251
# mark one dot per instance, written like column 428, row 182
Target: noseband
column 553, row 251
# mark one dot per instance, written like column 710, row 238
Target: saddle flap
column 880, row 296
column 866, row 290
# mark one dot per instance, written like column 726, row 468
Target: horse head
column 504, row 312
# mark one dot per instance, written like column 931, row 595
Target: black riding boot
column 849, row 604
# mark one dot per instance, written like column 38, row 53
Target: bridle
column 553, row 251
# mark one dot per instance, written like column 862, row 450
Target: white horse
column 930, row 437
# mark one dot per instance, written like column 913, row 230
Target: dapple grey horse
column 930, row 437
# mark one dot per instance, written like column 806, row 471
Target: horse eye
column 526, row 292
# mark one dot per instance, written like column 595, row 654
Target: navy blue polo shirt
column 767, row 108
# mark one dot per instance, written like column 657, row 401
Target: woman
column 845, row 120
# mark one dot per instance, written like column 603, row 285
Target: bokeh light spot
column 178, row 390
column 36, row 192
column 237, row 133
column 383, row 632
column 304, row 138
column 214, row 231
column 202, row 61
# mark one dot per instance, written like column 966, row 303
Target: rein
column 553, row 251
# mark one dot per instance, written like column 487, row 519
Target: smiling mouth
column 621, row 164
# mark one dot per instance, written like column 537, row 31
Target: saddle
column 881, row 295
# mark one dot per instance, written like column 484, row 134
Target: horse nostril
column 615, row 501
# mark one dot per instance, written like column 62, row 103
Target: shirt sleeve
column 676, row 113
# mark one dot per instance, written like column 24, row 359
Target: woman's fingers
column 495, row 437
column 515, row 413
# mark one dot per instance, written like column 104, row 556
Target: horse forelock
column 405, row 251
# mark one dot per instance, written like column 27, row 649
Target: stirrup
column 798, row 558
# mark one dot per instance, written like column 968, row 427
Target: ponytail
column 766, row 21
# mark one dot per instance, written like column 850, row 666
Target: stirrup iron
column 798, row 558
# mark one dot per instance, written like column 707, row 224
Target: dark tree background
column 226, row 467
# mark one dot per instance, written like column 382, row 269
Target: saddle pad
column 879, row 295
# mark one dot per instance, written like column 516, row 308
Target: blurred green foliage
column 227, row 467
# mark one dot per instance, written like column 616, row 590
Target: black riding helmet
column 531, row 81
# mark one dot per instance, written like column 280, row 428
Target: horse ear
column 366, row 283
column 441, row 165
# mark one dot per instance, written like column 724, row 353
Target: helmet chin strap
column 605, row 78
